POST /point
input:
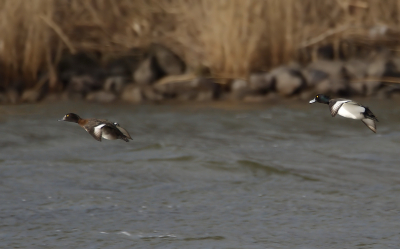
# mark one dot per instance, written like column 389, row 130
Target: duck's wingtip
column 370, row 123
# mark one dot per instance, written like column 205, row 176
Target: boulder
column 260, row 82
column 173, row 85
column 101, row 96
column 328, row 77
column 188, row 87
column 288, row 83
column 206, row 89
column 325, row 86
column 13, row 95
column 148, row 72
column 355, row 72
column 82, row 85
column 73, row 65
column 3, row 98
column 114, row 84
column 151, row 94
column 167, row 60
column 286, row 80
column 314, row 76
column 132, row 93
column 239, row 88
column 123, row 65
column 375, row 71
column 31, row 95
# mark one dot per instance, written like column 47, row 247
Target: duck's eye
column 67, row 115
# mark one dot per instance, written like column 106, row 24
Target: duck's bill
column 312, row 101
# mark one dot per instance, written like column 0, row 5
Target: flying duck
column 99, row 128
column 348, row 109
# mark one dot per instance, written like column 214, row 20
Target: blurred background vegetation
column 230, row 37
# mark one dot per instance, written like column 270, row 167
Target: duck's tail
column 369, row 114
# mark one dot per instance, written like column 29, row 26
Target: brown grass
column 231, row 37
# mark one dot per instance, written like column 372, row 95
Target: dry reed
column 231, row 37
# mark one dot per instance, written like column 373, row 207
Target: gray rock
column 174, row 85
column 238, row 85
column 168, row 61
column 114, row 84
column 239, row 88
column 355, row 71
column 260, row 82
column 287, row 80
column 288, row 84
column 132, row 94
column 392, row 66
column 82, row 85
column 3, row 98
column 73, row 65
column 31, row 95
column 314, row 76
column 376, row 70
column 205, row 88
column 148, row 72
column 205, row 96
column 334, row 83
column 188, row 87
column 332, row 68
column 149, row 93
column 125, row 65
column 13, row 95
column 101, row 96
column 325, row 86
column 393, row 93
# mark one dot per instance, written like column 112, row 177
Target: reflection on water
column 286, row 176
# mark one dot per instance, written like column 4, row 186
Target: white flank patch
column 97, row 130
column 351, row 111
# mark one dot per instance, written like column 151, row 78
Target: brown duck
column 99, row 128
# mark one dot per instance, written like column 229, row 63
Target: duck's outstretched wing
column 369, row 114
column 125, row 132
column 370, row 124
column 334, row 105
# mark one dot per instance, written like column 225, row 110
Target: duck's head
column 320, row 98
column 70, row 117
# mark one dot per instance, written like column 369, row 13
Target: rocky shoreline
column 158, row 74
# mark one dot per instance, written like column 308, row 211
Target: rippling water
column 216, row 176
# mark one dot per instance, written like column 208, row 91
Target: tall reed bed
column 231, row 37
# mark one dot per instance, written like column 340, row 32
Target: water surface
column 200, row 176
